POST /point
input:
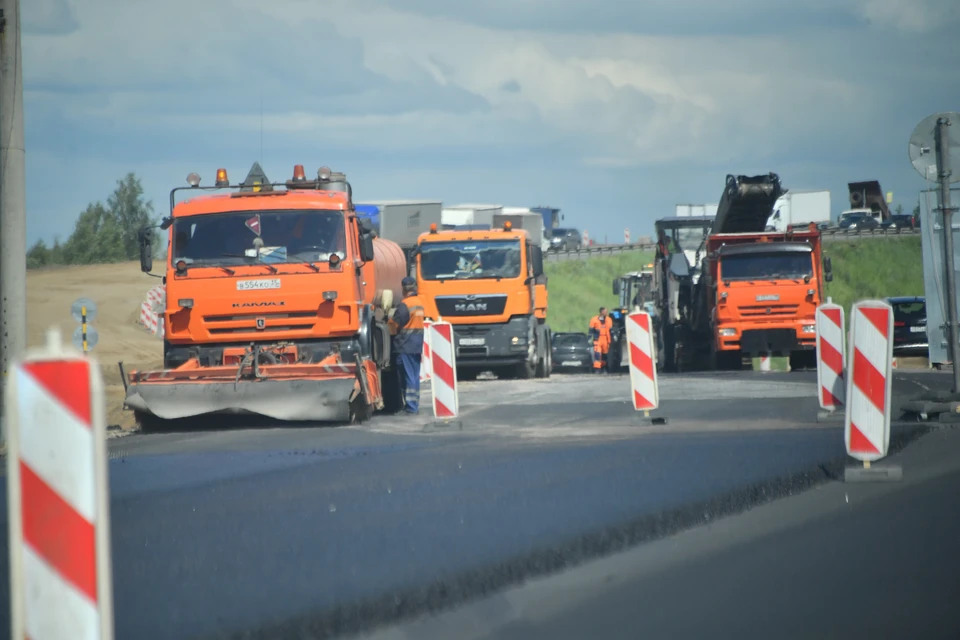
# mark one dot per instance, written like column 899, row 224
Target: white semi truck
column 799, row 209
column 526, row 219
column 461, row 215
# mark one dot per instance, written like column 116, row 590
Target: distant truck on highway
column 490, row 285
column 400, row 221
column 866, row 198
column 469, row 215
column 529, row 221
column 754, row 293
column 800, row 209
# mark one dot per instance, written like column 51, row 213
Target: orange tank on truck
column 765, row 289
column 490, row 285
column 275, row 302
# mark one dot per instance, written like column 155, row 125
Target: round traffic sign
column 77, row 308
column 92, row 338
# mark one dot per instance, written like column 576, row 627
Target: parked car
column 572, row 352
column 565, row 240
column 860, row 222
column 909, row 326
column 899, row 221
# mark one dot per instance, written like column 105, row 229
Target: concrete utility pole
column 944, row 171
column 13, row 213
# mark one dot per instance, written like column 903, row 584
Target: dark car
column 899, row 221
column 565, row 240
column 909, row 326
column 859, row 221
column 572, row 352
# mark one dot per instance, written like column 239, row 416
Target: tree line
column 103, row 232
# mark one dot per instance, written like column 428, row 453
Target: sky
column 614, row 114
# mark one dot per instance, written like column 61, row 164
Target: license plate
column 257, row 285
column 572, row 363
column 918, row 329
column 472, row 342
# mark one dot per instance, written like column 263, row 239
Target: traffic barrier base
column 873, row 473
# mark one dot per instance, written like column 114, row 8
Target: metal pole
column 943, row 170
column 13, row 219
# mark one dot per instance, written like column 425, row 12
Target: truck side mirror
column 145, row 240
column 616, row 286
column 536, row 260
column 366, row 247
column 827, row 270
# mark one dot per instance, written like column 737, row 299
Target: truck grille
column 769, row 311
column 298, row 321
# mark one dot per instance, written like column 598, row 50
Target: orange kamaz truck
column 275, row 302
column 489, row 284
column 726, row 289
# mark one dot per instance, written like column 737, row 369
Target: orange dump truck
column 275, row 302
column 489, row 284
column 761, row 293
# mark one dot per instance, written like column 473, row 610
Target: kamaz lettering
column 237, row 305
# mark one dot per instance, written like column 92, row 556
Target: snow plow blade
column 327, row 393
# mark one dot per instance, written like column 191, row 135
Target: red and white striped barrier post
column 765, row 362
column 831, row 358
column 425, row 359
column 60, row 570
column 443, row 352
column 644, row 390
column 870, row 373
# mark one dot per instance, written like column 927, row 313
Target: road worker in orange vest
column 600, row 327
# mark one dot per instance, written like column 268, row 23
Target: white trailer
column 696, row 210
column 529, row 221
column 470, row 214
column 799, row 209
column 402, row 221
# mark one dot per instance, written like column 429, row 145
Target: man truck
column 276, row 299
column 753, row 293
column 489, row 284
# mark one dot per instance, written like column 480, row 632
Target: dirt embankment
column 118, row 290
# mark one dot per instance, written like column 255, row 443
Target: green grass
column 872, row 268
column 578, row 288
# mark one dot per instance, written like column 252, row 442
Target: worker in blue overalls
column 406, row 325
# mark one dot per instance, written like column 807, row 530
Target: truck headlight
column 809, row 328
column 726, row 333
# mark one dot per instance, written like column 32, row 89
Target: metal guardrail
column 829, row 235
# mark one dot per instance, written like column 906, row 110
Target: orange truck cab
column 275, row 304
column 489, row 284
column 763, row 290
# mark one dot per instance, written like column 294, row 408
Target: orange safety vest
column 603, row 327
column 417, row 315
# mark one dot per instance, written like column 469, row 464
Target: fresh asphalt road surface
column 335, row 529
column 842, row 560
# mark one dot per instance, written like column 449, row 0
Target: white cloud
column 678, row 89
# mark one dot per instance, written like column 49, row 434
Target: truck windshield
column 766, row 266
column 250, row 237
column 470, row 259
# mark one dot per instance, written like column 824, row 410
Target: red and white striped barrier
column 59, row 545
column 867, row 423
column 643, row 371
column 151, row 311
column 425, row 354
column 446, row 403
column 765, row 363
column 831, row 357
